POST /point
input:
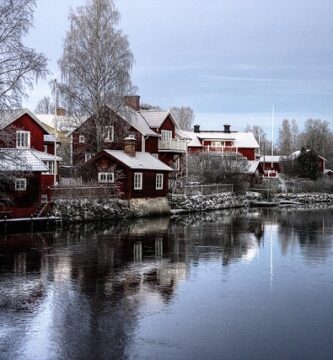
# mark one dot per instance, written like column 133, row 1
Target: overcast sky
column 230, row 60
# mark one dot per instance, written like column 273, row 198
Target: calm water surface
column 222, row 285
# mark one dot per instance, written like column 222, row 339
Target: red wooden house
column 226, row 141
column 27, row 151
column 136, row 174
column 154, row 131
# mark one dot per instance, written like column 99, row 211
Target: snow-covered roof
column 271, row 158
column 240, row 139
column 45, row 156
column 7, row 117
column 141, row 160
column 64, row 123
column 296, row 154
column 155, row 118
column 20, row 160
column 136, row 120
column 190, row 135
column 253, row 166
column 182, row 134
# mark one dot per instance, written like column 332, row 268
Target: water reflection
column 80, row 292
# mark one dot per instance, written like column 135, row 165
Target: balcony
column 221, row 149
column 172, row 145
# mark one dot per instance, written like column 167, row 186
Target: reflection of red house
column 226, row 141
column 137, row 174
column 27, row 146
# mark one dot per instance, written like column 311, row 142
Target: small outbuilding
column 136, row 174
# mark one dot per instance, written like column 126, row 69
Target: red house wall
column 105, row 162
column 25, row 122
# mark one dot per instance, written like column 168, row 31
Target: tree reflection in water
column 83, row 288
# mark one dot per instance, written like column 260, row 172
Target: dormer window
column 109, row 133
column 82, row 139
column 23, row 139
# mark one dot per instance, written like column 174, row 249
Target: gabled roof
column 13, row 159
column 240, row 139
column 7, row 117
column 155, row 118
column 141, row 160
column 136, row 120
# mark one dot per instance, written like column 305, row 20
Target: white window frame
column 87, row 156
column 159, row 182
column 23, row 139
column 20, row 184
column 109, row 132
column 137, row 181
column 106, row 177
column 177, row 163
column 166, row 135
column 82, row 139
column 50, row 164
column 45, row 148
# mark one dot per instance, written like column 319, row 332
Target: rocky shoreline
column 110, row 209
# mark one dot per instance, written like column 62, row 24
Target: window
column 50, row 165
column 22, row 139
column 20, row 184
column 159, row 181
column 176, row 165
column 82, row 139
column 166, row 135
column 217, row 143
column 106, row 177
column 87, row 156
column 109, row 133
column 155, row 156
column 137, row 181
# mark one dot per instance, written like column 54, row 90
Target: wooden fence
column 211, row 189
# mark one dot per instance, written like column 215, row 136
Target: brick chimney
column 196, row 128
column 61, row 111
column 133, row 101
column 129, row 145
column 227, row 128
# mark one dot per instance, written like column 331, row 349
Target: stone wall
column 206, row 202
column 108, row 209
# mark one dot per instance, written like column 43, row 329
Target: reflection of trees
column 223, row 234
column 308, row 228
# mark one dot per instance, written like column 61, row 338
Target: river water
column 217, row 285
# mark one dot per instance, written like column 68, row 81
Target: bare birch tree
column 95, row 65
column 45, row 106
column 184, row 116
column 20, row 66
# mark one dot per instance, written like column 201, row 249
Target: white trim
column 166, row 135
column 82, row 139
column 23, row 139
column 20, row 184
column 109, row 132
column 51, row 166
column 159, row 182
column 87, row 156
column 105, row 177
column 137, row 181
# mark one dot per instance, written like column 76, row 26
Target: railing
column 221, row 149
column 176, row 145
column 83, row 192
column 191, row 190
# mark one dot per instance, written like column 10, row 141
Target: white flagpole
column 55, row 134
column 272, row 153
